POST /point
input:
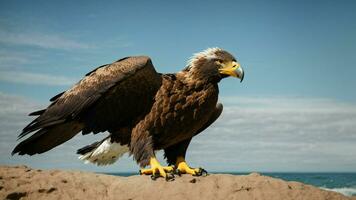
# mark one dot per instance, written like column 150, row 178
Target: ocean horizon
column 341, row 182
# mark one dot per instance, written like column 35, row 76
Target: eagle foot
column 157, row 171
column 183, row 168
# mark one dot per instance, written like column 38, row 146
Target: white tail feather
column 106, row 153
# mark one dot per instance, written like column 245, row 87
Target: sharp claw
column 201, row 172
column 178, row 172
column 197, row 173
column 171, row 173
column 204, row 172
column 170, row 177
column 153, row 177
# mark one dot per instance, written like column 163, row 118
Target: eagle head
column 214, row 63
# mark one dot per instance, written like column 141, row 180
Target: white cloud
column 48, row 41
column 34, row 78
column 10, row 59
column 280, row 134
column 13, row 112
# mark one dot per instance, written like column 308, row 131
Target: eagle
column 142, row 110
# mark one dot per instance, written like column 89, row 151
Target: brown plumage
column 143, row 110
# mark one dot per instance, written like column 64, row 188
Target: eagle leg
column 157, row 170
column 183, row 168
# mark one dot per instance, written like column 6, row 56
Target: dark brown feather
column 172, row 152
column 182, row 106
column 109, row 98
column 38, row 112
column 56, row 96
column 47, row 138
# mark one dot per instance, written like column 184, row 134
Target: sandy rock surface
column 21, row 182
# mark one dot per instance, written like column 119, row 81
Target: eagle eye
column 219, row 61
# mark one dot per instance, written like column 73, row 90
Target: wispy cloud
column 278, row 133
column 48, row 41
column 13, row 115
column 115, row 42
column 11, row 59
column 7, row 58
column 280, row 103
column 34, row 78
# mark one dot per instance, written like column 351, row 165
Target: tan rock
column 25, row 183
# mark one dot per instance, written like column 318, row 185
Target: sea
column 344, row 183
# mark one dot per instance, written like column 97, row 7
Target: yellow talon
column 157, row 170
column 183, row 168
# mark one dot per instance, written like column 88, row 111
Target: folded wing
column 108, row 98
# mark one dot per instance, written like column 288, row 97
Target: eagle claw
column 178, row 172
column 155, row 176
column 170, row 177
column 201, row 172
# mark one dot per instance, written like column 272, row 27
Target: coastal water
column 344, row 183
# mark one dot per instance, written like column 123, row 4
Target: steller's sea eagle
column 144, row 111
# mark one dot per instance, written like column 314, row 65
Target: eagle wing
column 108, row 97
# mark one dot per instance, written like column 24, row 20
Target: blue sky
column 296, row 54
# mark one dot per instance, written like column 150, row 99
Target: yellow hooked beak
column 232, row 69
